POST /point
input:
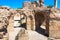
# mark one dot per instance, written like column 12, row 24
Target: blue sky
column 19, row 3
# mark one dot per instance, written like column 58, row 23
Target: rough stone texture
column 30, row 35
column 29, row 11
column 55, row 24
column 22, row 35
column 5, row 15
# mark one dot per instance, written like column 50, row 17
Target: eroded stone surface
column 55, row 24
column 7, row 17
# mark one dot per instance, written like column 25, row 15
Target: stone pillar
column 28, row 23
column 55, row 3
column 33, row 23
column 11, row 24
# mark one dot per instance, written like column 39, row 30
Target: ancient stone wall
column 34, row 17
column 6, row 21
column 54, row 24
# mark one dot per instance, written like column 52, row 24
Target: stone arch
column 23, row 19
column 30, row 23
column 40, row 18
column 11, row 20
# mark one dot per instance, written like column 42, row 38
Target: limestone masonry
column 34, row 16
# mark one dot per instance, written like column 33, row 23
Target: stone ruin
column 54, row 24
column 35, row 17
column 6, row 18
column 48, row 17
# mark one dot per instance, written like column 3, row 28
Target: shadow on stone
column 23, row 25
column 42, row 31
column 40, row 18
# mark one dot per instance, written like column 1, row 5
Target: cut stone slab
column 33, row 35
column 30, row 35
column 13, row 34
